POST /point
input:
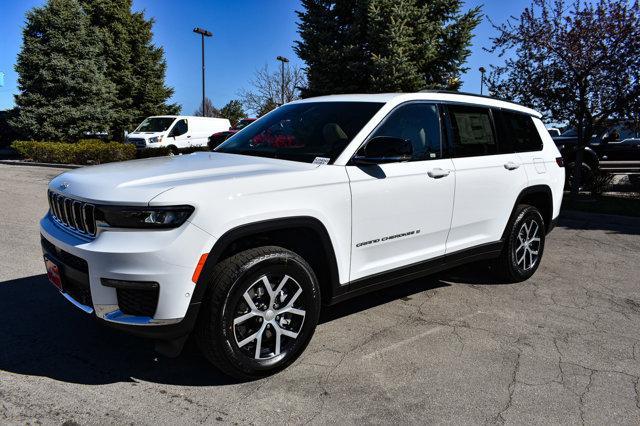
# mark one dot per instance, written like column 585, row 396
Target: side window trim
column 439, row 108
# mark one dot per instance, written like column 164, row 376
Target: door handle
column 188, row 136
column 511, row 165
column 438, row 173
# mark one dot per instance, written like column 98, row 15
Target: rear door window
column 472, row 131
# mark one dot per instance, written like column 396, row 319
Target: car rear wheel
column 523, row 246
column 260, row 312
column 586, row 176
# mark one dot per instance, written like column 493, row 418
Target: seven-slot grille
column 74, row 214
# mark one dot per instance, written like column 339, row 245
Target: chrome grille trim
column 75, row 215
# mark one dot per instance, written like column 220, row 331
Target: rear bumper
column 164, row 259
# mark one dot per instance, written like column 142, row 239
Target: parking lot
column 563, row 347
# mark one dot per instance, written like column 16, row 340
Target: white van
column 176, row 131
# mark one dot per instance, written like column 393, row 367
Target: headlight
column 142, row 217
column 155, row 139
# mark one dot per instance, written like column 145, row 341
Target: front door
column 180, row 134
column 401, row 212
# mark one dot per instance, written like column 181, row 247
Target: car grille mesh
column 138, row 302
column 76, row 215
column 140, row 143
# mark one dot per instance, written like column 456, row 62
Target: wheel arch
column 304, row 235
column 539, row 196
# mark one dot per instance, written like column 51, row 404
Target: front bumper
column 166, row 257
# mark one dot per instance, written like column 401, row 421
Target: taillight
column 560, row 161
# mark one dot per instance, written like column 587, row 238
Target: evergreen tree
column 267, row 107
column 151, row 94
column 383, row 45
column 134, row 64
column 233, row 111
column 64, row 91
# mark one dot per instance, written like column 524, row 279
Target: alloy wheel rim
column 527, row 252
column 268, row 318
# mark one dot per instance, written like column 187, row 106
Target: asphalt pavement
column 458, row 348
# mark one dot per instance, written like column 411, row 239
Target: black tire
column 173, row 150
column 586, row 176
column 220, row 339
column 511, row 266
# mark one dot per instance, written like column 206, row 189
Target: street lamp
column 282, row 60
column 482, row 71
column 204, row 33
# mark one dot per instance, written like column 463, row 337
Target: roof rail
column 453, row 92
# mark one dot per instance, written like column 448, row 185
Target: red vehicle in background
column 217, row 138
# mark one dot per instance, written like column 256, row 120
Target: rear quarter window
column 517, row 132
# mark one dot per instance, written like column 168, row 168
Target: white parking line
column 417, row 337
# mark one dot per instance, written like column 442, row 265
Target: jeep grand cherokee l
column 319, row 201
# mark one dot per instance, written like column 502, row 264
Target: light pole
column 204, row 33
column 482, row 71
column 282, row 60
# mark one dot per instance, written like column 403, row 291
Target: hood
column 137, row 182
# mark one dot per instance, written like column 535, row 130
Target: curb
column 33, row 163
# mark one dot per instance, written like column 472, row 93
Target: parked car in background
column 614, row 148
column 217, row 138
column 176, row 132
column 553, row 132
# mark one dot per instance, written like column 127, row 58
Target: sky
column 247, row 34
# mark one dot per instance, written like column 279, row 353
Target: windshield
column 303, row 132
column 155, row 124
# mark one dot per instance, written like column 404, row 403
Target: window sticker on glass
column 474, row 128
column 321, row 160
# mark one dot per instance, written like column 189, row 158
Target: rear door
column 517, row 133
column 401, row 212
column 488, row 181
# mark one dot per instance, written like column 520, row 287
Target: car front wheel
column 260, row 312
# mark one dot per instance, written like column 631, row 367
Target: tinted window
column 303, row 131
column 620, row 133
column 518, row 132
column 472, row 131
column 418, row 123
column 180, row 128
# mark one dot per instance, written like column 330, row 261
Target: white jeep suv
column 319, row 201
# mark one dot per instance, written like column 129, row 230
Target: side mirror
column 384, row 149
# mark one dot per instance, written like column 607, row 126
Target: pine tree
column 62, row 80
column 383, row 45
column 233, row 111
column 126, row 38
column 150, row 95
